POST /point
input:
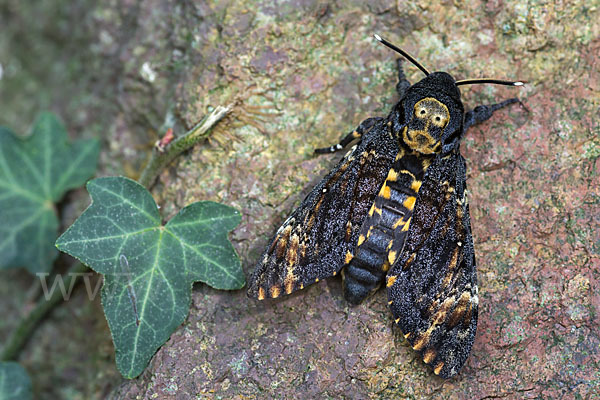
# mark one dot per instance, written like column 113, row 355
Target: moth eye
column 423, row 112
column 437, row 119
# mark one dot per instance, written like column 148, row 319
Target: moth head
column 433, row 115
column 430, row 115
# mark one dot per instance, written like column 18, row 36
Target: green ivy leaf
column 35, row 173
column 149, row 268
column 15, row 384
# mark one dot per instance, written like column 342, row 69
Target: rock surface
column 301, row 74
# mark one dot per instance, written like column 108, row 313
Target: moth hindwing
column 394, row 211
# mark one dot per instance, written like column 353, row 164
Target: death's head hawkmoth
column 394, row 211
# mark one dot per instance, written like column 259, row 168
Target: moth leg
column 364, row 127
column 403, row 83
column 483, row 113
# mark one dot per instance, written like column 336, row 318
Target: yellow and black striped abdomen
column 383, row 233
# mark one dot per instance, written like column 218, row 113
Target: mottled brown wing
column 432, row 287
column 312, row 243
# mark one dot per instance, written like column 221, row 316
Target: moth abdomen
column 364, row 274
column 383, row 233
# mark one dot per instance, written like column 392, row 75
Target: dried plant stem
column 159, row 160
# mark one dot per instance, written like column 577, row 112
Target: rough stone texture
column 301, row 73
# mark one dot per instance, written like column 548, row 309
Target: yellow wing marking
column 429, row 355
column 275, row 291
column 349, row 257
column 390, row 280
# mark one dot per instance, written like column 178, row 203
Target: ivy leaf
column 35, row 173
column 15, row 384
column 149, row 268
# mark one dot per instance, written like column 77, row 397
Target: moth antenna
column 405, row 54
column 493, row 81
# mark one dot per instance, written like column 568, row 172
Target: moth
column 394, row 211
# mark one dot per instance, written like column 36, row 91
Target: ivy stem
column 158, row 161
column 28, row 323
